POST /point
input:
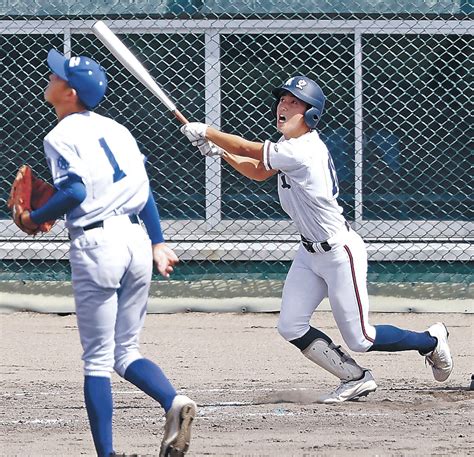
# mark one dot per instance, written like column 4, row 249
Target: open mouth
column 282, row 118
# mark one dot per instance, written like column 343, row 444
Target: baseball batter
column 331, row 260
column 104, row 191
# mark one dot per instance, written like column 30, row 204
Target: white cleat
column 440, row 358
column 351, row 390
column 177, row 434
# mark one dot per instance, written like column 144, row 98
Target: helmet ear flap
column 311, row 117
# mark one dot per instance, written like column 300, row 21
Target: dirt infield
column 255, row 392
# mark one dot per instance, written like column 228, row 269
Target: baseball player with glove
column 331, row 260
column 103, row 189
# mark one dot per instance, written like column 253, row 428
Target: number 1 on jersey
column 118, row 173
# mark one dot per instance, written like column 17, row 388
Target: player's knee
column 283, row 330
column 123, row 360
column 285, row 334
column 291, row 331
column 118, row 367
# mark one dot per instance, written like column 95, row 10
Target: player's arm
column 151, row 218
column 198, row 132
column 251, row 168
column 235, row 144
column 243, row 155
column 70, row 193
column 163, row 256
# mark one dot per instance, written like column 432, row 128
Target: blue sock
column 98, row 397
column 149, row 378
column 394, row 339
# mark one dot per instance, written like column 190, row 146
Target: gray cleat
column 351, row 390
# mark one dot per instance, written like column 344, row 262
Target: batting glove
column 209, row 149
column 194, row 131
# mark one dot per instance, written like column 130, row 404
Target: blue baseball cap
column 83, row 74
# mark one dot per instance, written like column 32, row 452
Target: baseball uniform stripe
column 356, row 289
column 266, row 155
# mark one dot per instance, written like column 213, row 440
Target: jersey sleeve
column 62, row 160
column 284, row 156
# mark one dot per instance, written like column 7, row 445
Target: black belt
column 326, row 247
column 133, row 219
column 309, row 245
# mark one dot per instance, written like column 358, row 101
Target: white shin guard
column 333, row 359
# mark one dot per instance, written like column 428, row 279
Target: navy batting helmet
column 308, row 91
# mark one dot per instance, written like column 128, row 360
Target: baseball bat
column 133, row 65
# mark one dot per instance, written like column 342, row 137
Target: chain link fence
column 398, row 123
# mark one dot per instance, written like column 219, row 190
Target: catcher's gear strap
column 333, row 359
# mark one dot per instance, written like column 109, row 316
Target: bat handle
column 180, row 117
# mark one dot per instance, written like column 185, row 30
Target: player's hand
column 209, row 149
column 164, row 258
column 28, row 226
column 194, row 131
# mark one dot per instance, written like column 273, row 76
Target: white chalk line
column 181, row 391
column 208, row 412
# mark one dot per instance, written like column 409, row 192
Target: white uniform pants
column 111, row 274
column 339, row 274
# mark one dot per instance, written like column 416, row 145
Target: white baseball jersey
column 308, row 190
column 106, row 156
column 307, row 184
column 111, row 264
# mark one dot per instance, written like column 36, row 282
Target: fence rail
column 397, row 124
